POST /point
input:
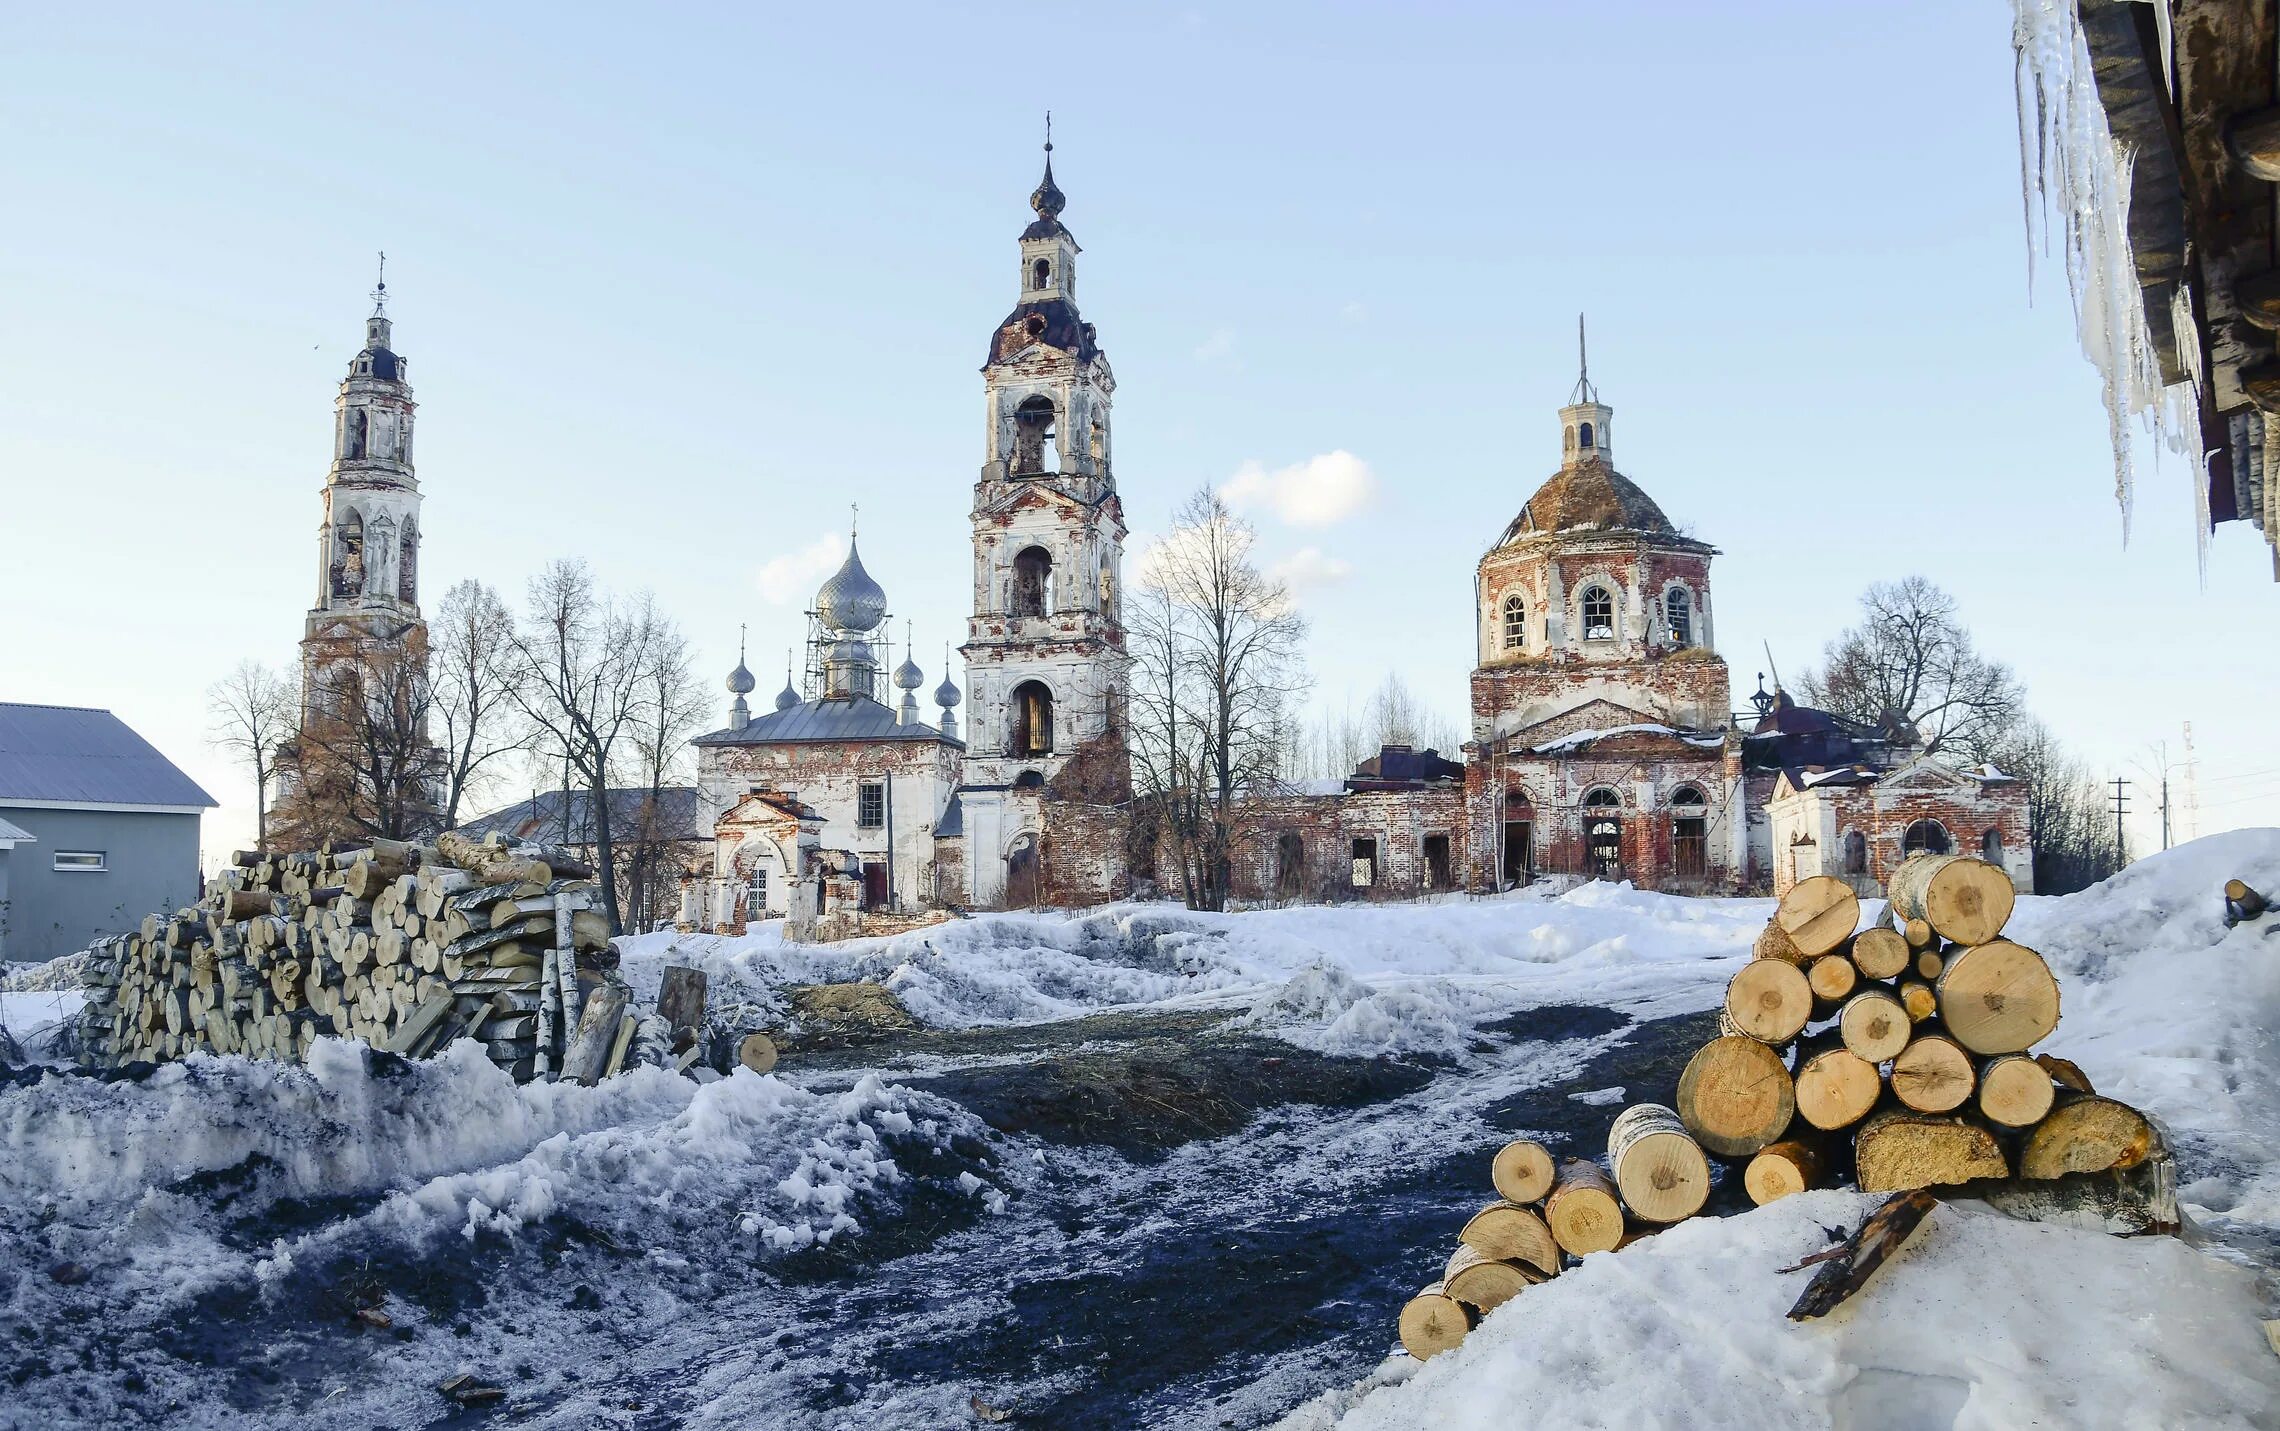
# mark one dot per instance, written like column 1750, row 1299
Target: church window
column 1032, row 719
column 1678, row 610
column 1042, row 274
column 1928, row 837
column 1991, row 847
column 1598, row 614
column 1583, row 436
column 1032, row 582
column 1515, row 623
column 1856, row 853
column 870, row 805
column 756, row 895
column 1603, row 834
column 356, row 430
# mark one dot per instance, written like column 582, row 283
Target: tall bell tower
column 1045, row 650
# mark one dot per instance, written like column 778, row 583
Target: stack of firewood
column 405, row 947
column 1893, row 1057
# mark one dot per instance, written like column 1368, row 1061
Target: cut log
column 1835, row 1086
column 423, row 1021
column 1770, row 1000
column 757, row 1052
column 624, row 1041
column 2014, row 1091
column 1918, row 999
column 1735, row 1096
column 1483, row 1283
column 2242, row 903
column 1774, row 943
column 1886, row 1230
column 1929, row 963
column 1583, row 1210
column 1962, row 899
column 1998, row 998
column 1818, row 914
column 1880, row 953
column 492, row 866
column 1660, row 1170
column 2088, row 1134
column 1933, row 1074
column 1521, row 1171
column 2065, row 1072
column 2123, row 1202
column 681, row 1003
column 1875, row 1025
column 1508, row 1232
column 1790, row 1166
column 1432, row 1322
column 1917, row 932
column 1833, row 978
column 1896, row 1148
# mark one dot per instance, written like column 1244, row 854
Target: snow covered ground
column 858, row 1248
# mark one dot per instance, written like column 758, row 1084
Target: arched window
column 1603, row 833
column 1598, row 614
column 1991, row 847
column 1032, row 719
column 348, row 555
column 1856, row 853
column 1678, row 610
column 1928, row 837
column 1041, row 273
column 1519, row 837
column 356, row 431
column 1689, row 833
column 1032, row 582
column 1582, row 432
column 1033, row 437
column 1515, row 623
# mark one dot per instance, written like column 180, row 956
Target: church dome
column 1590, row 496
column 947, row 694
column 908, row 676
column 740, row 681
column 787, row 697
column 851, row 601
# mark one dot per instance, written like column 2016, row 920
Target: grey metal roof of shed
column 75, row 755
column 542, row 817
column 845, row 718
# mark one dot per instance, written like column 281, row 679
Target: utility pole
column 2121, row 803
column 2165, row 807
column 2192, row 788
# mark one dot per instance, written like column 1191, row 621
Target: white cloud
column 794, row 576
column 1310, row 567
column 1219, row 346
column 1355, row 313
column 1319, row 492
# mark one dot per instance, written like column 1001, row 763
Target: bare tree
column 1337, row 741
column 1911, row 671
column 2066, row 811
column 474, row 666
column 585, row 671
column 672, row 708
column 252, row 711
column 1216, row 672
column 362, row 765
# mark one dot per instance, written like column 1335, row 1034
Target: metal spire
column 1584, row 391
column 380, row 293
column 739, row 643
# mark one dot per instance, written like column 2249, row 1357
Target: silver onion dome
column 851, row 601
column 908, row 676
column 947, row 694
column 787, row 697
column 740, row 681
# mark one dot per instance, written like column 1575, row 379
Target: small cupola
column 1585, row 422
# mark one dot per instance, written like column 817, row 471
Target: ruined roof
column 566, row 817
column 838, row 718
column 1404, row 765
column 75, row 755
column 1051, row 321
column 1590, row 495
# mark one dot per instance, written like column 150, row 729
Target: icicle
column 2069, row 161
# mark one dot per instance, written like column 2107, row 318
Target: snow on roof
column 1585, row 737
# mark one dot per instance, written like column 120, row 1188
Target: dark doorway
column 874, row 884
column 1290, row 865
column 1021, row 874
column 1437, row 862
column 1603, row 834
column 1365, row 864
column 1689, row 834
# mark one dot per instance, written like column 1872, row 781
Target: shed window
column 1598, row 614
column 871, row 805
column 1678, row 610
column 81, row 861
column 1515, row 623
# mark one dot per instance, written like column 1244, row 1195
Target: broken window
column 1603, row 833
column 1598, row 614
column 1290, row 865
column 1689, row 833
column 1926, row 837
column 1678, row 610
column 1032, row 582
column 1033, row 450
column 1042, row 274
column 870, row 805
column 1856, row 853
column 1515, row 623
column 1365, row 863
column 1438, row 874
column 1991, row 847
column 1032, row 719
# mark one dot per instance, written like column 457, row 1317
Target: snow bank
column 1982, row 1322
column 1356, row 979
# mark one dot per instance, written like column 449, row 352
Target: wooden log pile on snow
column 1892, row 1058
column 405, row 947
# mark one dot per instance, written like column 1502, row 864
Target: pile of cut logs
column 405, row 947
column 1890, row 1058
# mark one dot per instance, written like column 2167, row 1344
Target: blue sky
column 677, row 287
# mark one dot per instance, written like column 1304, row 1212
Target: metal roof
column 544, row 817
column 840, row 718
column 953, row 821
column 15, row 834
column 74, row 755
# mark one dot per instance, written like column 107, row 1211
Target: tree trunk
column 1818, row 914
column 2015, row 1091
column 1659, row 1168
column 1583, row 1210
column 1998, row 998
column 1508, row 1232
column 681, row 1003
column 1875, row 1025
column 1735, row 1096
column 1521, row 1171
column 1790, row 1166
column 1833, row 978
column 1880, row 953
column 1485, row 1283
column 1432, row 1322
column 1962, row 899
column 1769, row 1000
column 1858, row 1256
column 1933, row 1074
column 1835, row 1086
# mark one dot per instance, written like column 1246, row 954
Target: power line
column 2121, row 804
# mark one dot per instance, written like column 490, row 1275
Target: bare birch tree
column 671, row 710
column 1911, row 671
column 362, row 764
column 253, row 710
column 473, row 668
column 1216, row 672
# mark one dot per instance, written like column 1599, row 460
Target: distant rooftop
column 567, row 817
column 838, row 718
column 76, row 755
